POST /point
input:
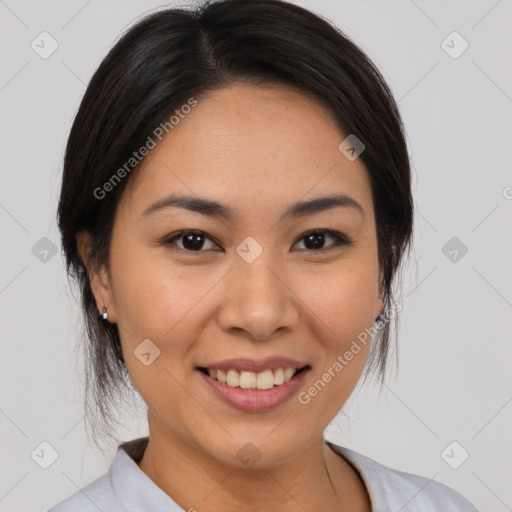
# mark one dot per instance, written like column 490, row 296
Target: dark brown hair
column 175, row 54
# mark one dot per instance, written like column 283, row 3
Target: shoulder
column 98, row 495
column 391, row 489
column 124, row 487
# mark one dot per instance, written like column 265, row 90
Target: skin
column 256, row 150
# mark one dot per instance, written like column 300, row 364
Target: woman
column 236, row 205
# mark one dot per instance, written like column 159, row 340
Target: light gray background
column 454, row 378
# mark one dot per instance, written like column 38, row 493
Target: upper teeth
column 247, row 380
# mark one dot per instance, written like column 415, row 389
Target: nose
column 257, row 301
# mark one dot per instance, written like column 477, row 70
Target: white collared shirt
column 125, row 487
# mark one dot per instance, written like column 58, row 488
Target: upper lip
column 255, row 365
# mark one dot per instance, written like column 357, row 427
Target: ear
column 98, row 277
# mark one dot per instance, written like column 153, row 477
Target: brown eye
column 192, row 241
column 315, row 240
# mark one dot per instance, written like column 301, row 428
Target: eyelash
column 341, row 240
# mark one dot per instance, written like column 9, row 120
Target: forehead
column 251, row 146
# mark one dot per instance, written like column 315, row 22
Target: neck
column 315, row 479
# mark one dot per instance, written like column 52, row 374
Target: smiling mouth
column 266, row 379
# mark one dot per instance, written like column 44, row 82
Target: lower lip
column 250, row 400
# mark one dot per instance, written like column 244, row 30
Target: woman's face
column 253, row 284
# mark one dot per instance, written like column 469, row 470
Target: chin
column 254, row 452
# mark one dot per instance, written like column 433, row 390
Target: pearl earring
column 104, row 316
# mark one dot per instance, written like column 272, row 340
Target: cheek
column 343, row 300
column 156, row 300
column 343, row 304
column 152, row 293
column 164, row 302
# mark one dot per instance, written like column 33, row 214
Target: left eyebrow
column 320, row 204
column 215, row 209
